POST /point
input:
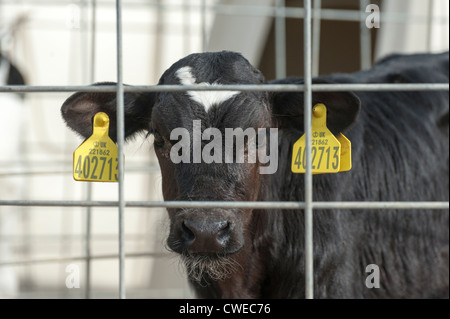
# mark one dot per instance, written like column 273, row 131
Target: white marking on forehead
column 205, row 98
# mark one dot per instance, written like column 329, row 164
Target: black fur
column 400, row 151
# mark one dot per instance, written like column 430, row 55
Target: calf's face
column 211, row 146
column 192, row 138
column 196, row 135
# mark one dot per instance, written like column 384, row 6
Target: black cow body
column 400, row 150
column 400, row 153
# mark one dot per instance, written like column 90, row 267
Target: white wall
column 241, row 33
column 425, row 27
column 53, row 48
column 11, row 123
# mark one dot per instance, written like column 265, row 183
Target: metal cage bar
column 120, row 144
column 316, row 38
column 259, row 10
column 237, row 204
column 365, row 39
column 88, row 230
column 232, row 87
column 280, row 13
column 280, row 40
column 309, row 270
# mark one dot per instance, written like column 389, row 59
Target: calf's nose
column 202, row 236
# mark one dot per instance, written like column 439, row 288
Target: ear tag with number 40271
column 96, row 159
column 328, row 153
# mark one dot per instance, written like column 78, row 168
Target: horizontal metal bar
column 78, row 258
column 149, row 169
column 381, row 205
column 237, row 204
column 233, row 87
column 326, row 14
column 381, row 87
column 63, row 237
column 255, row 10
column 133, row 164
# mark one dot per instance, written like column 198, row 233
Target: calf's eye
column 158, row 139
column 261, row 139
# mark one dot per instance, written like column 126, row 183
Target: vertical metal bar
column 93, row 39
column 316, row 38
column 87, row 285
column 186, row 27
column 84, row 39
column 309, row 282
column 159, row 31
column 365, row 39
column 430, row 25
column 280, row 40
column 120, row 143
column 203, row 24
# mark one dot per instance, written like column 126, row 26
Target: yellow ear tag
column 346, row 153
column 95, row 160
column 325, row 148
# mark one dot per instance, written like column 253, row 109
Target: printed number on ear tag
column 327, row 153
column 95, row 160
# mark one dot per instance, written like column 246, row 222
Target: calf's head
column 196, row 140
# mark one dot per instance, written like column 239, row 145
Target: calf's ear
column 79, row 110
column 287, row 107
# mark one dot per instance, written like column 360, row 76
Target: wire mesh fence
column 310, row 13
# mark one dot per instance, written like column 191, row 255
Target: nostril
column 188, row 234
column 223, row 226
column 203, row 235
column 224, row 231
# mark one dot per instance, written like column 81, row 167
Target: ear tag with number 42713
column 328, row 153
column 95, row 160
